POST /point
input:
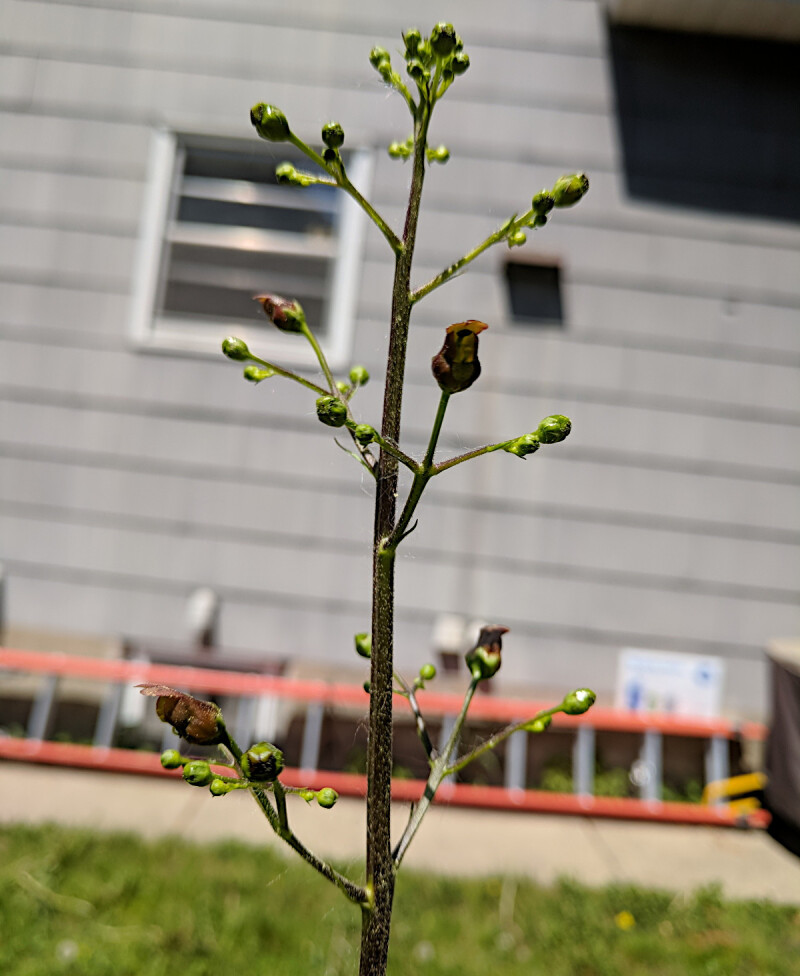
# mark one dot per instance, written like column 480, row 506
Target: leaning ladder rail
column 319, row 695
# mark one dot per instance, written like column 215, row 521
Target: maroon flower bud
column 484, row 659
column 194, row 720
column 456, row 367
column 287, row 316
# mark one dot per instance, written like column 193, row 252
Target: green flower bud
column 365, row 434
column 287, row 316
column 359, row 376
column 235, row 348
column 412, row 39
column 485, row 658
column 172, row 759
column 307, row 795
column 399, row 150
column 539, row 724
column 331, row 411
column 543, row 202
column 342, row 387
column 219, row 787
column 367, row 686
column 327, row 797
column 439, row 155
column 262, row 763
column 270, row 123
column 378, row 56
column 197, row 772
column 539, row 220
column 416, row 70
column 387, row 73
column 569, row 189
column 363, row 645
column 456, row 367
column 578, row 702
column 459, row 63
column 523, row 446
column 286, row 173
column 443, row 40
column 517, row 239
column 333, row 135
column 554, row 429
column 255, row 374
column 192, row 719
column 425, row 52
column 427, row 672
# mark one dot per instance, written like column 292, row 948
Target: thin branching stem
column 423, row 474
column 341, row 180
column 493, row 741
column 499, row 235
column 290, row 375
column 437, row 775
column 280, row 824
column 422, row 728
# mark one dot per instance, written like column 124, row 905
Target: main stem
column 377, row 917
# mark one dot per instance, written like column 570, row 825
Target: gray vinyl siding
column 670, row 518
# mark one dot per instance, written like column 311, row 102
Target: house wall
column 668, row 520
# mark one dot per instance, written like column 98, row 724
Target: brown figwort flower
column 287, row 316
column 195, row 720
column 456, row 367
column 485, row 658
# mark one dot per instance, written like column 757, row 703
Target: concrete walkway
column 597, row 852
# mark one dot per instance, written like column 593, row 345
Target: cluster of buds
column 440, row 57
column 402, row 150
column 566, row 191
column 550, row 431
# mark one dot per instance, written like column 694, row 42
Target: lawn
column 84, row 904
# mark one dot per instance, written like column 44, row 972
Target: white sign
column 676, row 684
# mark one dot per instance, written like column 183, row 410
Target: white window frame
column 156, row 332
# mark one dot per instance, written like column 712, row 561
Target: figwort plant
column 432, row 64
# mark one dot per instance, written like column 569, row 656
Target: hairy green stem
column 342, row 181
column 493, row 741
column 280, row 824
column 323, row 362
column 376, row 920
column 422, row 729
column 290, row 375
column 500, row 234
column 487, row 449
column 423, row 475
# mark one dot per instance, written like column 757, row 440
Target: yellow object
column 624, row 920
column 735, row 786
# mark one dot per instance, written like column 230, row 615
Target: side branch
column 280, row 824
column 500, row 234
column 341, row 180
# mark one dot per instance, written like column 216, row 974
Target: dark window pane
column 709, row 122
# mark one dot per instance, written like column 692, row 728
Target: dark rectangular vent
column 534, row 293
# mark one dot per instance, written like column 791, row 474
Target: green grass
column 83, row 904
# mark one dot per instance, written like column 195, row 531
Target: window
column 709, row 122
column 218, row 229
column 534, row 293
